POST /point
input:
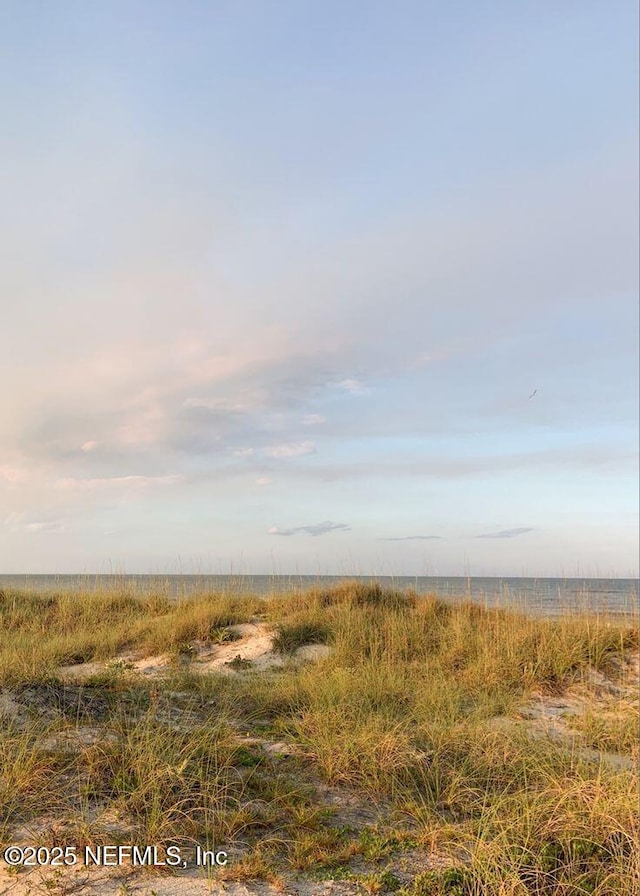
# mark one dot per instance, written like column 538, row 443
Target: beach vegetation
column 414, row 755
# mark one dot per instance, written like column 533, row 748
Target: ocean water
column 545, row 595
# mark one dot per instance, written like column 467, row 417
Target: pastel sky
column 339, row 287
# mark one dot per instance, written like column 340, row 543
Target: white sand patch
column 93, row 881
column 549, row 717
column 80, row 671
column 151, row 666
column 280, row 748
column 9, row 709
column 255, row 645
column 253, row 650
column 71, row 740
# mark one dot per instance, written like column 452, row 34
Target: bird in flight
column 534, row 393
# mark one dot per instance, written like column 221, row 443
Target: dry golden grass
column 401, row 712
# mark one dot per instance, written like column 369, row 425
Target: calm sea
column 546, row 596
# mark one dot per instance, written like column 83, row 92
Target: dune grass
column 403, row 713
column 41, row 633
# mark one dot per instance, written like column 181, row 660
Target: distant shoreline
column 296, row 575
column 545, row 595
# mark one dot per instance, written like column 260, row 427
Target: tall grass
column 38, row 633
column 402, row 710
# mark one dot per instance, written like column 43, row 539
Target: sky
column 319, row 288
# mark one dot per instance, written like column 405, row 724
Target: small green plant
column 379, row 882
column 245, row 758
column 115, row 676
column 239, row 663
column 321, row 850
column 450, row 882
column 224, row 635
column 185, row 653
column 119, row 667
column 376, row 845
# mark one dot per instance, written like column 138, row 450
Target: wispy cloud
column 412, row 538
column 507, row 533
column 314, row 530
column 20, row 522
column 214, row 404
column 40, row 526
column 314, row 420
column 292, row 449
column 352, row 386
column 71, row 482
